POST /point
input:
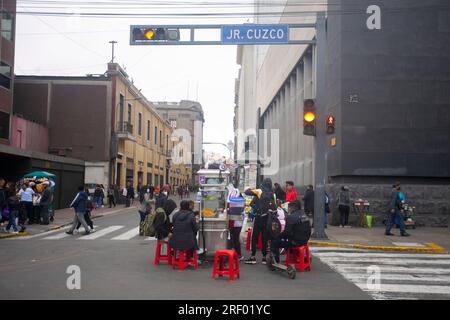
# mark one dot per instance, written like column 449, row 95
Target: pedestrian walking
column 344, row 206
column 327, row 208
column 87, row 216
column 151, row 190
column 13, row 204
column 80, row 205
column 291, row 192
column 98, row 197
column 111, row 196
column 130, row 194
column 395, row 216
column 308, row 200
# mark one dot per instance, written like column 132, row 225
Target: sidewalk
column 422, row 239
column 64, row 217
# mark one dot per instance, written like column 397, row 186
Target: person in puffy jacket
column 296, row 233
column 80, row 205
column 185, row 227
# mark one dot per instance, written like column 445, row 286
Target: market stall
column 213, row 233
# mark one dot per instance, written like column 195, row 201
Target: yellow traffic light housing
column 309, row 117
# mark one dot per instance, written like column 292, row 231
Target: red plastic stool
column 184, row 258
column 233, row 264
column 249, row 240
column 300, row 254
column 163, row 257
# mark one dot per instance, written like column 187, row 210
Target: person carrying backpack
column 262, row 206
column 161, row 222
column 296, row 233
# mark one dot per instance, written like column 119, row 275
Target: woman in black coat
column 185, row 228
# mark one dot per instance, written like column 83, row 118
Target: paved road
column 116, row 263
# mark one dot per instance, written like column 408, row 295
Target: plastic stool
column 233, row 264
column 300, row 254
column 184, row 259
column 163, row 257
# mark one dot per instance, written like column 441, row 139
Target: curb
column 12, row 235
column 430, row 247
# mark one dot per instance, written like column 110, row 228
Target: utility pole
column 113, row 42
column 320, row 139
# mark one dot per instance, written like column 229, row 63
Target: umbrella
column 40, row 174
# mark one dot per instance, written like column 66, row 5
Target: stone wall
column 431, row 202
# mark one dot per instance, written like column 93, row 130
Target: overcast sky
column 79, row 45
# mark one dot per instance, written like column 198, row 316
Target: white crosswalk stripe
column 128, row 235
column 104, row 233
column 100, row 233
column 401, row 275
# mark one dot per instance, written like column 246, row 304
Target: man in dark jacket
column 296, row 233
column 308, row 200
column 79, row 204
column 45, row 202
column 160, row 200
column 261, row 206
column 395, row 213
column 185, row 228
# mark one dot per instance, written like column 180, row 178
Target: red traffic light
column 330, row 124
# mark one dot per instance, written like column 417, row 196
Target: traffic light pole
column 320, row 139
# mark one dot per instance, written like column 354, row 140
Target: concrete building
column 187, row 118
column 105, row 121
column 23, row 143
column 7, row 47
column 388, row 89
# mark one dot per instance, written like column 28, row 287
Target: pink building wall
column 29, row 135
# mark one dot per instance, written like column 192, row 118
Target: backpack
column 274, row 225
column 147, row 227
column 267, row 204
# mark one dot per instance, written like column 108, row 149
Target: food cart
column 212, row 200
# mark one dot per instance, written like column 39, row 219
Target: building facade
column 387, row 87
column 105, row 121
column 7, row 47
column 187, row 119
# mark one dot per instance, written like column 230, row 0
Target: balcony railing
column 124, row 127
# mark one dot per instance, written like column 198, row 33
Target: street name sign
column 255, row 34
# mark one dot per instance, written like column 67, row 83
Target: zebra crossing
column 114, row 233
column 391, row 275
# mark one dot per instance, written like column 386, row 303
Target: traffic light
column 309, row 118
column 150, row 34
column 330, row 124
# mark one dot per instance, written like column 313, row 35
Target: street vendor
column 236, row 214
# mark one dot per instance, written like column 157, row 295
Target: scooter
column 274, row 266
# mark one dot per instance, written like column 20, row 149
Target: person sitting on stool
column 296, row 233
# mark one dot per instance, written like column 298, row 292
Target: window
column 121, row 106
column 156, row 135
column 148, row 130
column 6, row 25
column 129, row 113
column 5, row 75
column 167, row 143
column 140, row 124
column 160, row 138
